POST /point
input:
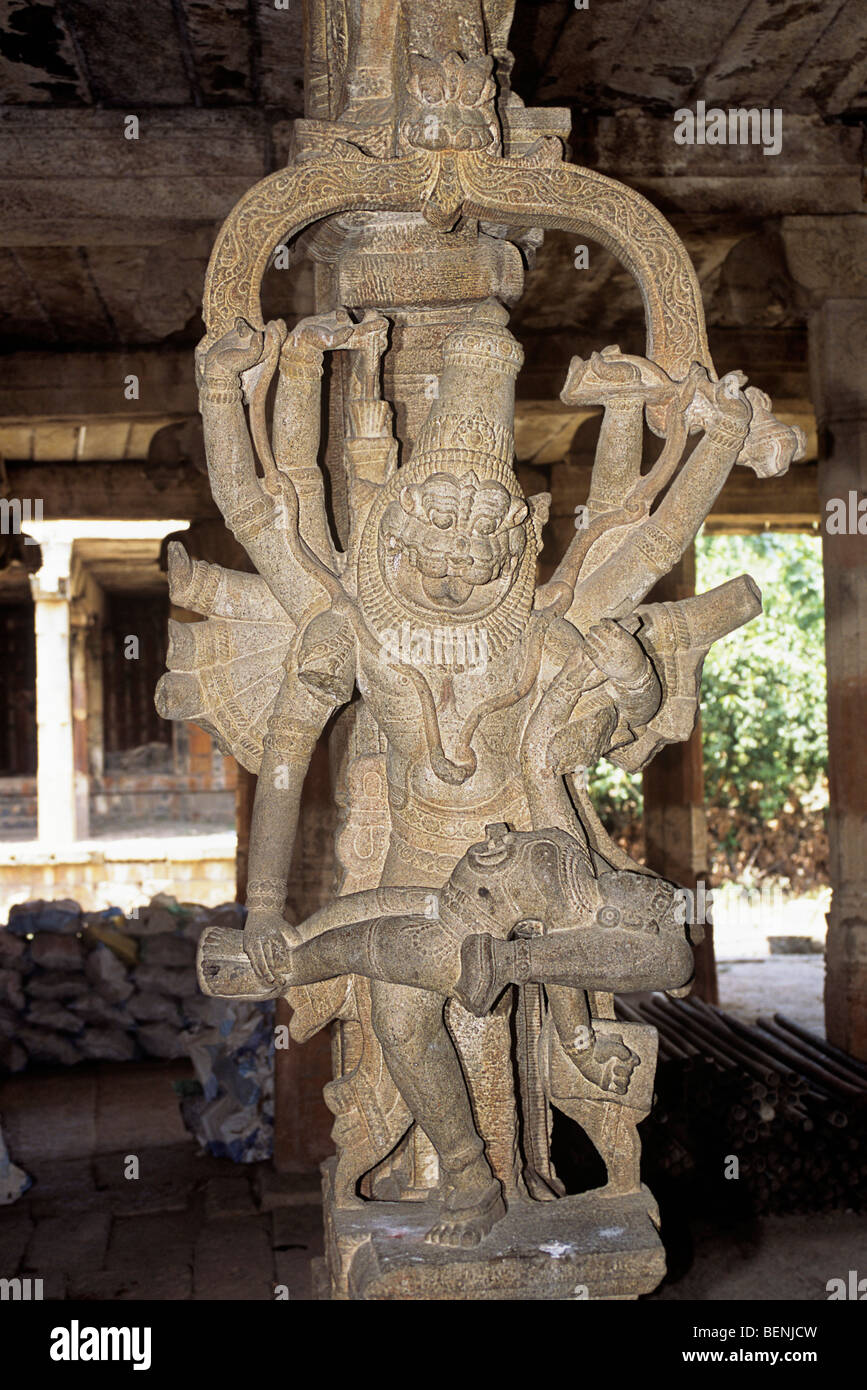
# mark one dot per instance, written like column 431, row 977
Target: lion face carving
column 454, row 544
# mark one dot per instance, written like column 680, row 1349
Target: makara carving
column 484, row 919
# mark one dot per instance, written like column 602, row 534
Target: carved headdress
column 469, row 427
column 462, row 468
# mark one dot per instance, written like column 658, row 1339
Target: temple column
column 838, row 332
column 80, row 739
column 57, row 819
column 675, row 823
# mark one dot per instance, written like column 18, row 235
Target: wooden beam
column 133, row 491
column 788, row 503
column 72, row 178
column 75, row 385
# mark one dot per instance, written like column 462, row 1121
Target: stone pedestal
column 584, row 1247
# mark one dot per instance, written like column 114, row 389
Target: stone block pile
column 82, row 986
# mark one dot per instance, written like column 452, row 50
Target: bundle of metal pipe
column 788, row 1106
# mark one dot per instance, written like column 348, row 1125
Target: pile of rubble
column 102, row 986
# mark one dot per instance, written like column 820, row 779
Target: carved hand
column 615, row 651
column 610, row 374
column 580, row 744
column 268, row 943
column 235, row 352
column 718, row 400
column 770, row 446
column 617, row 1063
column 323, row 331
column 372, row 332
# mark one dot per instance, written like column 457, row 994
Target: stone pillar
column 80, row 738
column 838, row 332
column 95, row 723
column 675, row 824
column 55, row 772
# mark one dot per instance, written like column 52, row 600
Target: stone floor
column 195, row 1227
column 201, row 1228
column 779, row 1257
column 792, row 985
column 188, row 1227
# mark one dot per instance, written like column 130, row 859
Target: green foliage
column 763, row 690
column 615, row 793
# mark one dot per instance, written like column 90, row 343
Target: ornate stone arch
column 520, row 192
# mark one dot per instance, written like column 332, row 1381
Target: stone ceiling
column 215, row 83
column 105, row 240
column 653, row 54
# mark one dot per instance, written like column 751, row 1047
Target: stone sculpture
column 485, row 919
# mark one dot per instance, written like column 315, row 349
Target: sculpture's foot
column 347, row 1199
column 616, row 1191
column 607, row 1063
column 468, row 1216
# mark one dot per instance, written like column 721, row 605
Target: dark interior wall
column 18, row 691
column 134, row 640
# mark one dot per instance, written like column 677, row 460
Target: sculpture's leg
column 424, row 1064
column 365, row 1130
column 602, row 958
column 402, row 950
column 485, row 1050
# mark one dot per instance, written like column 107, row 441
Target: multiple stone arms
column 657, row 542
column 606, row 686
column 293, row 552
column 624, row 695
column 299, row 716
column 296, row 558
column 613, row 563
column 297, row 421
column 247, row 508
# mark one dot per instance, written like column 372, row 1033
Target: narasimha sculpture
column 574, row 671
column 484, row 919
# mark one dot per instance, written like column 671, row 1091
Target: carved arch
column 518, row 192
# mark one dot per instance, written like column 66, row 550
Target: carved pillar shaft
column 420, row 189
column 81, row 777
column 837, row 335
column 55, row 774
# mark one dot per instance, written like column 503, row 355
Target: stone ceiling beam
column 70, row 177
column 130, row 491
column 75, row 385
column 818, row 169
